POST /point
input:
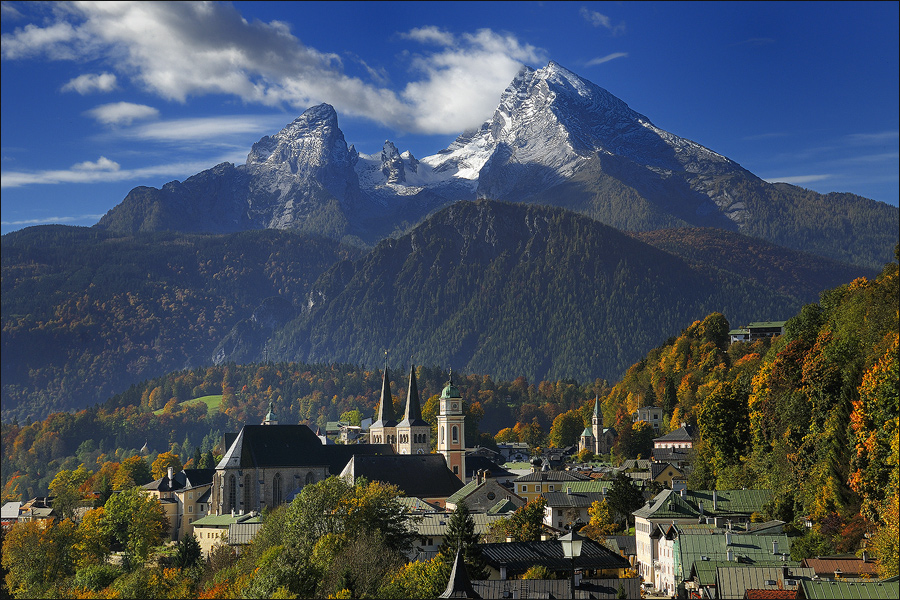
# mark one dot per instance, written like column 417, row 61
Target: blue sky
column 101, row 97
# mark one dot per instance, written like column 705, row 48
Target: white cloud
column 798, row 179
column 462, row 83
column 102, row 164
column 12, row 179
column 457, row 87
column 205, row 129
column 600, row 20
column 607, row 58
column 122, row 113
column 430, row 35
column 91, row 82
column 865, row 139
column 46, row 220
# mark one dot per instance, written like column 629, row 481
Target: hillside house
column 184, row 497
column 650, row 414
column 757, row 330
column 235, row 530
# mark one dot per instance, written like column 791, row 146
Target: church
column 268, row 464
column 595, row 438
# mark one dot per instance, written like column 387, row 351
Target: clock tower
column 451, row 440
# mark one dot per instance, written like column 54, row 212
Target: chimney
column 700, row 506
column 730, row 555
column 170, row 473
column 715, row 500
column 774, row 546
column 727, row 538
column 569, row 491
column 865, row 556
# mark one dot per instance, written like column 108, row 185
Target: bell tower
column 451, row 440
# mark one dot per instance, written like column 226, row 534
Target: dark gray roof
column 685, row 433
column 182, row 480
column 413, row 415
column 266, row 446
column 573, row 500
column 479, row 463
column 657, row 468
column 459, row 585
column 419, row 475
column 518, row 557
column 672, row 455
column 386, row 416
column 626, row 543
column 557, row 588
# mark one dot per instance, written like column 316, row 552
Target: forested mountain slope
column 511, row 289
column 87, row 313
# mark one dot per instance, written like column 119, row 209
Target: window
column 232, row 493
column 456, row 469
column 551, row 487
column 190, row 508
column 455, row 434
column 276, row 490
column 248, row 496
column 524, row 488
column 190, row 495
column 310, row 478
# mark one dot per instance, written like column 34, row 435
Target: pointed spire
column 413, row 415
column 386, row 416
column 596, row 406
column 459, row 585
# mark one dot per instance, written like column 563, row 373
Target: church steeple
column 413, row 432
column 384, row 430
column 413, row 415
column 386, row 416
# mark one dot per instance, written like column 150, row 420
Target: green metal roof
column 746, row 550
column 463, row 492
column 851, row 589
column 226, row 520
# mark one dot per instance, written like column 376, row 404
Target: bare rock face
column 392, row 164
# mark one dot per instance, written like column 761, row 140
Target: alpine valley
column 564, row 238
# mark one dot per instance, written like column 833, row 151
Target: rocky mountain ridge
column 555, row 138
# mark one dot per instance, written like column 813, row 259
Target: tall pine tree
column 461, row 534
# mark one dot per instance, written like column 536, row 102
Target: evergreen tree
column 461, row 534
column 670, row 397
column 187, row 552
column 624, row 497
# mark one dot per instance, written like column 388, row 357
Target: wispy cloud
column 264, row 63
column 79, row 174
column 101, row 164
column 205, row 129
column 91, row 82
column 600, row 20
column 48, row 220
column 865, row 139
column 798, row 179
column 122, row 113
column 607, row 58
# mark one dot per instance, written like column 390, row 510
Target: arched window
column 232, row 494
column 310, row 478
column 277, row 497
column 455, row 434
column 248, row 496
